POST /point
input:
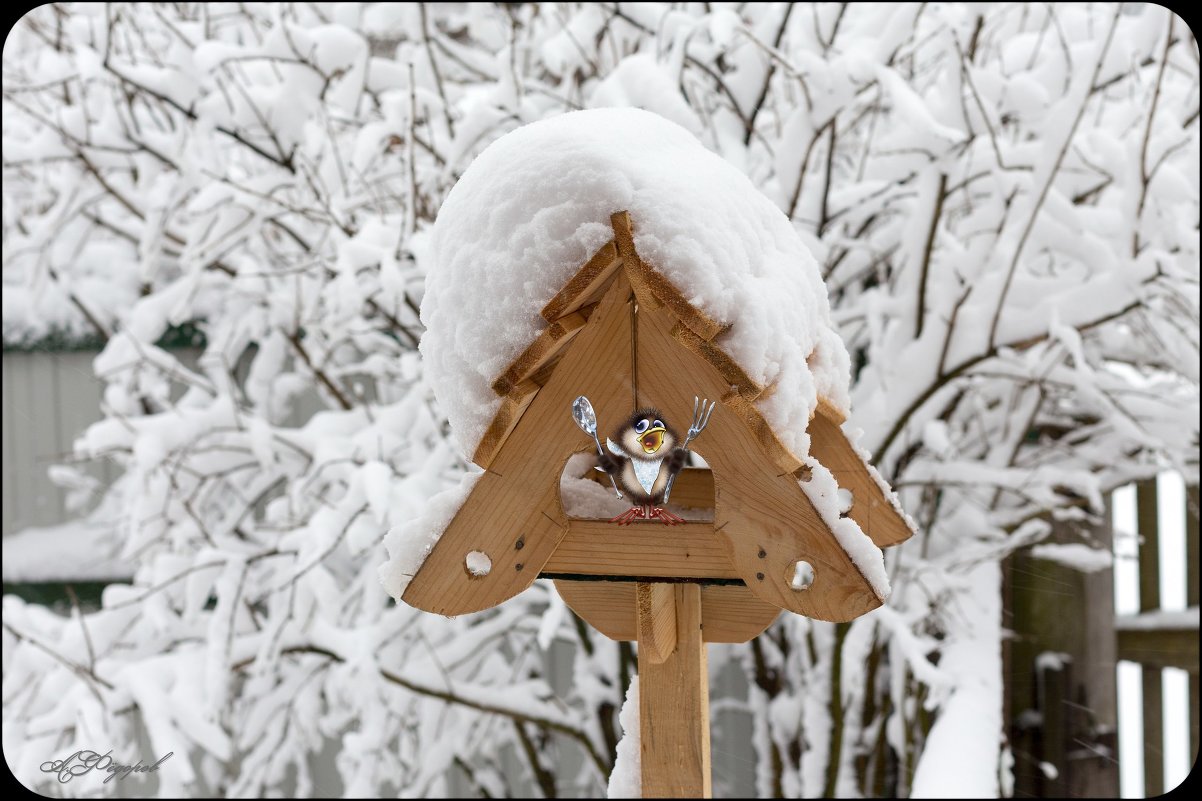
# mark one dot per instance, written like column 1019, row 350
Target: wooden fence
column 1061, row 688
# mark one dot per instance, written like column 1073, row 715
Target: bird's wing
column 614, row 448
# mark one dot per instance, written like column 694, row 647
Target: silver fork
column 701, row 418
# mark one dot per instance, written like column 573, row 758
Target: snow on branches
column 1003, row 201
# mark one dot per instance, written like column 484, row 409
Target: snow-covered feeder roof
column 536, row 204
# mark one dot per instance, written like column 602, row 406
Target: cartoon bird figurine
column 645, row 458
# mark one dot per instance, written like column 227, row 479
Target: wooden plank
column 783, row 459
column 644, row 549
column 586, row 286
column 730, row 370
column 728, row 613
column 545, row 347
column 873, row 512
column 830, row 411
column 653, row 289
column 655, row 610
column 1160, row 648
column 761, row 512
column 694, row 487
column 733, row 614
column 1149, row 600
column 674, row 724
column 1147, row 525
column 514, row 514
column 504, row 421
column 1153, row 703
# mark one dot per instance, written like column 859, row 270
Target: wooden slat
column 871, row 509
column 655, row 610
column 1160, row 648
column 830, row 411
column 643, row 550
column 1149, row 545
column 647, row 282
column 1153, row 703
column 1149, row 600
column 546, row 346
column 783, row 459
column 674, row 721
column 514, row 514
column 762, row 514
column 728, row 613
column 734, row 614
column 730, row 370
column 586, row 286
column 503, row 422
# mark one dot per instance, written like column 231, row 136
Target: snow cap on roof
column 536, row 204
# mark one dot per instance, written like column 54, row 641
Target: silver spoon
column 586, row 418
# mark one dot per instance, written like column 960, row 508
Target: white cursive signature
column 82, row 762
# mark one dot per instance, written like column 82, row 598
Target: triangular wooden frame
column 763, row 521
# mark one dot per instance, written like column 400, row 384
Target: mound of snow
column 536, row 204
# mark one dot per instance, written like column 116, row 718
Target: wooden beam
column 783, row 459
column 1160, row 648
column 546, row 346
column 1149, row 600
column 513, row 406
column 728, row 613
column 674, row 721
column 655, row 608
column 730, row 370
column 1148, row 524
column 871, row 508
column 650, row 550
column 653, row 289
column 586, row 286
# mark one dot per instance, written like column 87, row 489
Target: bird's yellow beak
column 652, row 439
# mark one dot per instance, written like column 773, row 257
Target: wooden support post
column 1149, row 600
column 674, row 719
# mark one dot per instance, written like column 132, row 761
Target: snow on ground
column 536, row 204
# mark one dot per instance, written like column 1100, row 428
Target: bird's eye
column 640, row 426
column 658, row 424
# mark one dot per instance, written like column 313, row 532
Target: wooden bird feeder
column 617, row 325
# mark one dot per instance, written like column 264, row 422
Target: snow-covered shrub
column 1003, row 199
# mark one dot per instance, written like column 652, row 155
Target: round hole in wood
column 802, row 575
column 477, row 564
